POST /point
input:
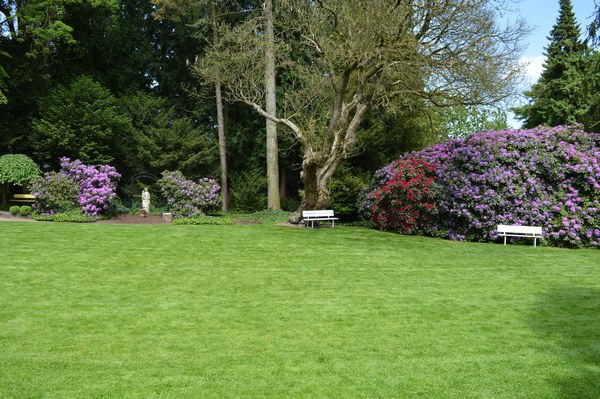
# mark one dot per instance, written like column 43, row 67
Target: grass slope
column 270, row 311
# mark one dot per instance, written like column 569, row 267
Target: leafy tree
column 592, row 87
column 16, row 169
column 558, row 97
column 363, row 54
column 32, row 34
column 462, row 121
column 79, row 121
column 163, row 140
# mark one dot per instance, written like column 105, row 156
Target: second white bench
column 310, row 217
column 534, row 232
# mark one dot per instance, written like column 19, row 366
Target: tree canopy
column 351, row 56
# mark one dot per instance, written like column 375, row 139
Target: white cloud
column 534, row 66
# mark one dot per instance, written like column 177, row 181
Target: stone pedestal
column 167, row 217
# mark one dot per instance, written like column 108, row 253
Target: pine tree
column 558, row 97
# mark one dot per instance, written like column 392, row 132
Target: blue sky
column 541, row 15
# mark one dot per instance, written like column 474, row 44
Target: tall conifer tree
column 558, row 97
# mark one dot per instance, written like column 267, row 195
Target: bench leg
column 504, row 240
column 534, row 242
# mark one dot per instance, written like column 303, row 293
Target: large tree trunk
column 271, row 108
column 220, row 120
column 222, row 149
column 315, row 176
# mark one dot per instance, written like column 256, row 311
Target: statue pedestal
column 167, row 217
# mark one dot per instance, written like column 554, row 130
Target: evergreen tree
column 558, row 97
column 592, row 120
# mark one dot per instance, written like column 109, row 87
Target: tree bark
column 220, row 122
column 271, row 108
column 222, row 149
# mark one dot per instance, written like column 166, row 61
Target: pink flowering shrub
column 187, row 198
column 548, row 177
column 90, row 188
column 404, row 199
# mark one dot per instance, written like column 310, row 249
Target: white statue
column 146, row 200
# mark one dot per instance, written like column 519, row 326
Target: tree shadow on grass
column 569, row 319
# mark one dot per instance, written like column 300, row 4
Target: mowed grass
column 161, row 311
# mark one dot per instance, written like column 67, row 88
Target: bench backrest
column 503, row 228
column 317, row 213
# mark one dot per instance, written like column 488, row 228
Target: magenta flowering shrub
column 88, row 187
column 548, row 177
column 187, row 198
column 403, row 200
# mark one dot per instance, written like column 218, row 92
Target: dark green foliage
column 344, row 189
column 592, row 120
column 249, row 191
column 80, row 121
column 14, row 210
column 162, row 139
column 25, row 210
column 559, row 97
column 385, row 134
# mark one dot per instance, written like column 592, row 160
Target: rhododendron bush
column 88, row 187
column 403, row 198
column 548, row 177
column 187, row 198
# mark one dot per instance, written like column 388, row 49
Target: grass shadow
column 568, row 319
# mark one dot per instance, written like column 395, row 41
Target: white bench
column 311, row 216
column 534, row 232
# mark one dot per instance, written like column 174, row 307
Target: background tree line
column 132, row 83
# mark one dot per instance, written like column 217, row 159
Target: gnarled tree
column 345, row 57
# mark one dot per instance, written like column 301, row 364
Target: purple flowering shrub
column 548, row 177
column 187, row 198
column 88, row 187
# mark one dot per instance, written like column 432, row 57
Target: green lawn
column 123, row 311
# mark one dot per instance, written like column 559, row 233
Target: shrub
column 204, row 220
column 404, row 201
column 90, row 188
column 14, row 210
column 344, row 189
column 249, row 191
column 97, row 186
column 25, row 210
column 55, row 193
column 548, row 177
column 17, row 169
column 73, row 216
column 187, row 198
